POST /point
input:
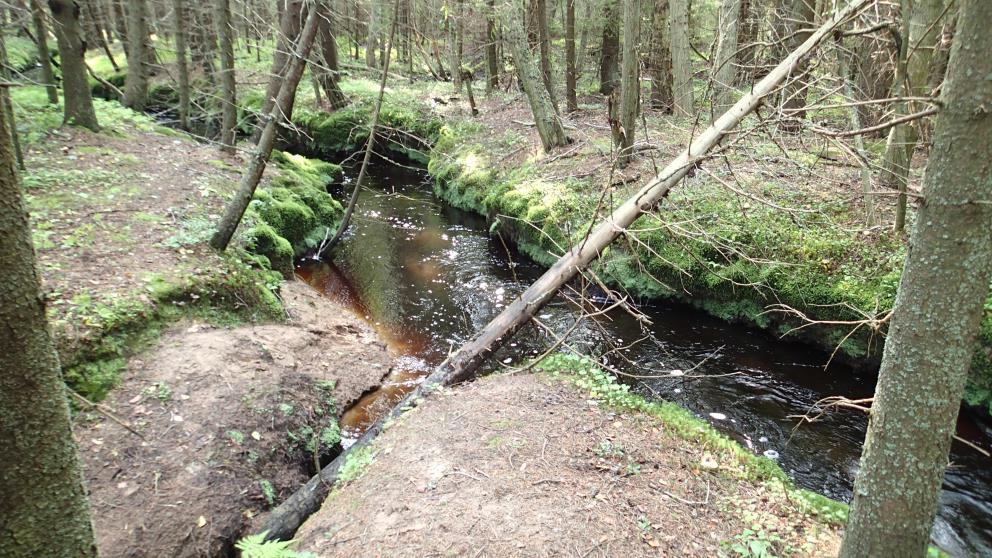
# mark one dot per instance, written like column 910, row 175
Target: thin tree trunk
column 545, row 116
column 329, row 52
column 747, row 37
column 45, row 511
column 609, row 62
column 369, row 144
column 182, row 68
column 454, row 54
column 138, row 57
column 661, row 60
column 580, row 56
column 78, row 101
column 228, row 95
column 571, row 103
column 371, row 34
column 272, row 121
column 544, row 41
column 289, row 32
column 92, row 8
column 630, row 83
column 936, row 316
column 8, row 106
column 678, row 25
column 492, row 61
column 725, row 60
column 44, row 57
column 912, row 80
column 283, row 521
column 793, row 102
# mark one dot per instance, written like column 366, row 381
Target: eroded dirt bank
column 231, row 420
column 525, row 465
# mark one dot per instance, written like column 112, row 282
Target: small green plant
column 355, row 464
column 754, row 543
column 268, row 491
column 159, row 391
column 236, row 436
column 607, row 449
column 255, row 546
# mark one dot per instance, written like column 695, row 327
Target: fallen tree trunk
column 284, row 520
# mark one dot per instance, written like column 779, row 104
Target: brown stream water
column 427, row 276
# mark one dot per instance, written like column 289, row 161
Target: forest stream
column 427, row 276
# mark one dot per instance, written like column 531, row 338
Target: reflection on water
column 427, row 276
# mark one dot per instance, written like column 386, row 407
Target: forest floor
column 530, row 465
column 219, row 399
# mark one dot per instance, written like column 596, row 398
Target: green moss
column 355, row 464
column 92, row 363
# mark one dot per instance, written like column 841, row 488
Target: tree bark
column 454, row 52
column 544, row 41
column 936, row 315
column 372, row 34
column 289, row 33
column 798, row 22
column 78, row 101
column 661, row 60
column 329, row 52
column 283, row 521
column 571, row 103
column 9, row 106
column 492, row 60
column 912, row 80
column 545, row 116
column 44, row 57
column 630, row 83
column 609, row 62
column 44, row 511
column 678, row 25
column 272, row 120
column 182, row 67
column 228, row 94
column 138, row 56
column 725, row 60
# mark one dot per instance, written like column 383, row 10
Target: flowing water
column 428, row 276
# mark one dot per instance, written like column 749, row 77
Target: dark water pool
column 428, row 276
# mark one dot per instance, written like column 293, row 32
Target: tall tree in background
column 660, row 59
column 44, row 511
column 271, row 120
column 138, row 55
column 492, row 57
column 725, row 60
column 678, row 25
column 289, row 31
column 544, row 41
column 228, row 95
column 78, row 101
column 912, row 80
column 798, row 26
column 372, row 34
column 936, row 316
column 571, row 103
column 630, row 84
column 44, row 58
column 454, row 43
column 609, row 61
column 546, row 118
column 330, row 73
column 179, row 33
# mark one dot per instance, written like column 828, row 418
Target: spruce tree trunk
column 78, row 101
column 609, row 62
column 936, row 316
column 44, row 58
column 545, row 117
column 678, row 25
column 630, row 83
column 138, row 56
column 798, row 25
column 329, row 51
column 228, row 94
column 371, row 34
column 912, row 80
column 571, row 103
column 580, row 56
column 747, row 36
column 289, row 32
column 271, row 123
column 492, row 59
column 544, row 40
column 873, row 66
column 725, row 61
column 182, row 67
column 44, row 511
column 454, row 52
column 661, row 60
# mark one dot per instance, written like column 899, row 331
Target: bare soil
column 523, row 465
column 225, row 417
